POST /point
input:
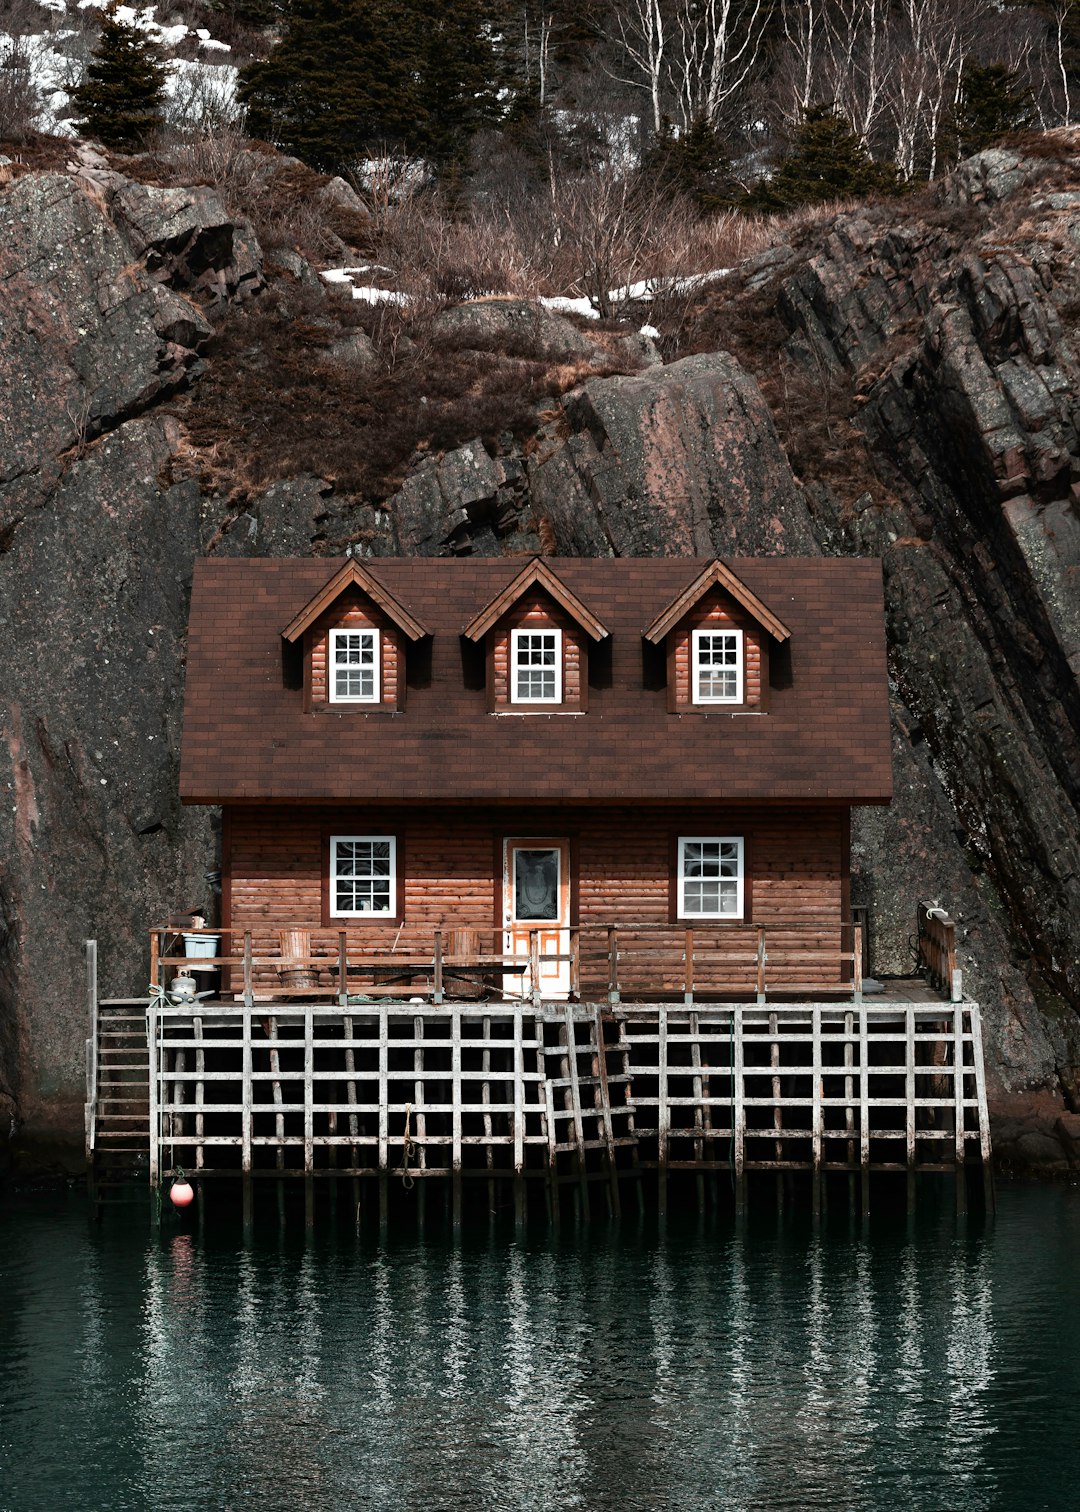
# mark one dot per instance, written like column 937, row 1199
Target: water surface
column 932, row 1364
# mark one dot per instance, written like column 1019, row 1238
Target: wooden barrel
column 463, row 945
column 295, row 945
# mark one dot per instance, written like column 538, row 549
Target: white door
column 536, row 899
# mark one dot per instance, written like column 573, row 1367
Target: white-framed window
column 711, row 880
column 536, row 666
column 353, row 673
column 717, row 670
column 363, row 876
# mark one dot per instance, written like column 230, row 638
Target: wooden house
column 569, row 778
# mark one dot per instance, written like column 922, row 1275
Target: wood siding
column 450, row 866
column 718, row 611
column 354, row 611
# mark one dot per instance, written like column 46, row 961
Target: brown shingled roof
column 825, row 736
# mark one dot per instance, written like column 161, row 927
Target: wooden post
column 575, row 961
column 960, row 1142
column 864, row 1108
column 694, row 1024
column 485, row 1099
column 777, row 1112
column 613, row 966
column 909, row 1098
column 856, row 963
column 384, row 1110
column 455, row 1093
column 688, row 976
column 984, row 1115
column 91, row 1053
column 249, row 994
column 200, row 1095
column 738, row 1132
column 309, row 1101
column 155, row 970
column 605, row 1113
column 575, row 1107
column 519, row 1121
column 817, row 1110
column 153, row 1057
column 761, row 959
column 245, row 1078
column 343, row 969
column 438, row 984
column 534, row 966
column 275, row 1068
column 663, row 1112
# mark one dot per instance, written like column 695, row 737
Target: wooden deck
column 548, row 1098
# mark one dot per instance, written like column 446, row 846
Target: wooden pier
column 554, row 1103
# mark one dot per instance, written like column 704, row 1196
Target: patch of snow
column 366, row 292
column 651, row 331
column 567, row 306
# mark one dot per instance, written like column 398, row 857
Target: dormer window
column 717, row 635
column 536, row 666
column 717, row 675
column 354, row 666
column 536, row 633
column 353, row 636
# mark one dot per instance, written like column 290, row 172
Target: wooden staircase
column 117, row 1091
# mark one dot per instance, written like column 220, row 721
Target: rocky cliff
column 903, row 382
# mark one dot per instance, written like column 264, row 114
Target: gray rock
column 520, row 326
column 87, row 337
column 342, row 195
column 186, row 237
column 680, row 460
column 356, row 348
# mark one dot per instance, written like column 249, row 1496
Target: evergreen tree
column 349, row 78
column 121, row 96
column 827, row 161
column 992, row 103
column 695, row 163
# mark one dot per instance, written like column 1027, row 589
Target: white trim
column 740, row 879
column 515, row 641
column 697, row 638
column 389, row 912
column 331, row 665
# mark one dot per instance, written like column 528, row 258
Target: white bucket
column 198, row 947
column 201, row 945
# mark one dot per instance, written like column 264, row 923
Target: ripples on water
column 931, row 1366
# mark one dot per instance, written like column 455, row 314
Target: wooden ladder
column 590, row 1125
column 118, row 1122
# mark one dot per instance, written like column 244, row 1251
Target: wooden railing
column 604, row 963
column 937, row 951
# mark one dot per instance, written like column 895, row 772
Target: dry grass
column 276, row 401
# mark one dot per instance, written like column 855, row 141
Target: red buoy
column 181, row 1194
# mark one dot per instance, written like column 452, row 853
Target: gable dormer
column 717, row 635
column 354, row 638
column 536, row 633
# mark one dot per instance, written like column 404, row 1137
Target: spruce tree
column 350, row 78
column 992, row 103
column 694, row 163
column 121, row 97
column 827, row 161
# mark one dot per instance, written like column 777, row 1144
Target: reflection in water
column 777, row 1367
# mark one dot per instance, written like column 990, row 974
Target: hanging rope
column 407, row 1180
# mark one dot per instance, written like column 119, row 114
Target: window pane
column 355, row 663
column 718, row 655
column 536, row 884
column 536, row 666
column 711, row 878
column 363, row 876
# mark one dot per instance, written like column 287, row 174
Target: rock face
column 951, row 336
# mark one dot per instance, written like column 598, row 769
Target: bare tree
column 719, row 43
column 640, row 29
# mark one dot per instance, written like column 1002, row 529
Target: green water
column 930, row 1365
